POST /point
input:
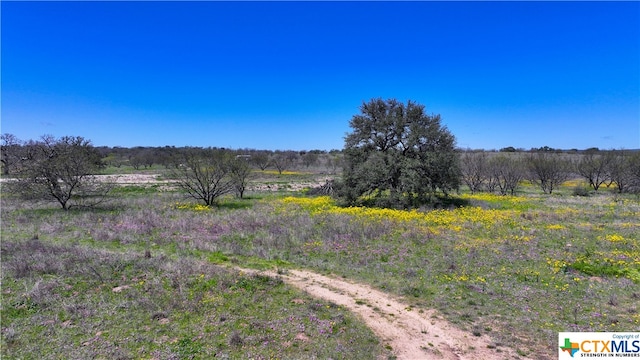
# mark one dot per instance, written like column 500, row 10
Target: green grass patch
column 133, row 190
column 602, row 267
column 92, row 303
column 217, row 257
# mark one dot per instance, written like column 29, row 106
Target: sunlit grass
column 153, row 295
column 531, row 265
column 575, row 182
column 560, row 259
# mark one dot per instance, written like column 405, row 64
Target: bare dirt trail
column 411, row 334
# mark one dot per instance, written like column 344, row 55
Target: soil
column 147, row 179
column 410, row 333
column 130, row 178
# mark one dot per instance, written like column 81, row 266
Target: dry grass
column 517, row 269
column 133, row 284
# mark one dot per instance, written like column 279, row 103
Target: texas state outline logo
column 569, row 347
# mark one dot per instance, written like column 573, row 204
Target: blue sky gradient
column 290, row 75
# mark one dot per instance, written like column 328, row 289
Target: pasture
column 151, row 274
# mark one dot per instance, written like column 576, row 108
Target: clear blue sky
column 290, row 75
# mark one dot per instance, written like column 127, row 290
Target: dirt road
column 411, row 334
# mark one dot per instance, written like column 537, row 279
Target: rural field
column 320, row 180
column 152, row 274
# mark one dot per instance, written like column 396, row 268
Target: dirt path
column 410, row 334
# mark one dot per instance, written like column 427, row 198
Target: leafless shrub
column 624, row 170
column 60, row 170
column 205, row 174
column 43, row 292
column 11, row 153
column 283, row 160
column 31, row 258
column 326, row 189
column 548, row 170
column 507, row 172
column 474, row 168
column 593, row 167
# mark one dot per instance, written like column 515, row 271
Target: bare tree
column 507, row 171
column 261, row 159
column 593, row 167
column 61, row 169
column 310, row 158
column 284, row 160
column 136, row 161
column 166, row 156
column 619, row 169
column 491, row 176
column 634, row 171
column 11, row 150
column 548, row 170
column 205, row 174
column 149, row 157
column 474, row 170
column 240, row 172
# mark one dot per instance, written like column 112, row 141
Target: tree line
column 503, row 172
column 397, row 155
column 14, row 151
column 167, row 156
column 63, row 169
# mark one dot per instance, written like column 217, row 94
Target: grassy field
column 109, row 284
column 140, row 278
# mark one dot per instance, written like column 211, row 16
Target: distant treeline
column 549, row 149
column 145, row 157
column 15, row 150
column 498, row 171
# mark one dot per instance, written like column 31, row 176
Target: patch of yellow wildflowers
column 614, row 237
column 563, row 287
column 450, row 219
column 462, row 278
column 575, row 182
column 312, row 204
column 489, row 242
column 523, row 238
column 312, row 245
column 557, row 265
column 629, row 225
column 555, row 227
column 494, row 198
column 194, row 207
